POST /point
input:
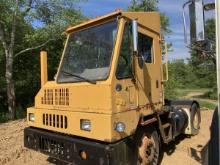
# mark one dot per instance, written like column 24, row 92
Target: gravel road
column 12, row 151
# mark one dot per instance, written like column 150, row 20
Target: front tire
column 148, row 147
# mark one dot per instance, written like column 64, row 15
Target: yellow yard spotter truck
column 106, row 105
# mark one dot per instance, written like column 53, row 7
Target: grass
column 207, row 105
column 210, row 95
column 203, row 101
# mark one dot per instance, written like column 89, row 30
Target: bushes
column 186, row 76
column 212, row 94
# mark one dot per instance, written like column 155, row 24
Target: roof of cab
column 151, row 20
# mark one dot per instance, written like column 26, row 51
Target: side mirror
column 135, row 35
column 196, row 14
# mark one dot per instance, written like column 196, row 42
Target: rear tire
column 148, row 147
column 195, row 119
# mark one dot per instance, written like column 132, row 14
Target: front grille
column 48, row 97
column 52, row 146
column 53, row 120
column 62, row 96
column 55, row 97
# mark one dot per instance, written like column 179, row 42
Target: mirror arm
column 166, row 63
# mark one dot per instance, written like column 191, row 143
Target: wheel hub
column 147, row 151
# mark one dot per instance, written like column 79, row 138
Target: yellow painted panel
column 102, row 125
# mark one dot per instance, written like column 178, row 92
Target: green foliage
column 211, row 94
column 205, row 104
column 210, row 29
column 20, row 114
column 3, row 117
column 203, row 64
column 38, row 22
column 186, row 76
column 143, row 5
column 177, row 72
column 171, row 89
column 199, row 72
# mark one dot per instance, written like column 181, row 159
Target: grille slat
column 55, row 97
column 53, row 120
column 44, row 119
column 54, row 123
column 61, row 120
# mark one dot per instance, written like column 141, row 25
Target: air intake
column 55, row 97
column 53, row 120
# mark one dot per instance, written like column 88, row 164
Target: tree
column 150, row 5
column 205, row 51
column 203, row 57
column 143, row 5
column 32, row 22
column 180, row 76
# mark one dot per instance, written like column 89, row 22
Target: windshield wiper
column 80, row 77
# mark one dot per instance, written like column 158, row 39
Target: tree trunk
column 10, row 84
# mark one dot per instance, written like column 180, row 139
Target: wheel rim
column 148, row 154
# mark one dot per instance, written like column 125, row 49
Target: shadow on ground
column 57, row 161
column 170, row 148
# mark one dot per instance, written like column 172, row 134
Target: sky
column 172, row 8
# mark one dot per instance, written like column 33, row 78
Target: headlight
column 31, row 117
column 85, row 124
column 120, row 127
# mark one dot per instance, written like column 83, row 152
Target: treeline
column 186, row 75
column 199, row 71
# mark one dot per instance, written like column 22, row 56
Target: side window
column 124, row 69
column 145, row 47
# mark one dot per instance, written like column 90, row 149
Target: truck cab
column 106, row 105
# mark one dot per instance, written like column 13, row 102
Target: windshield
column 88, row 54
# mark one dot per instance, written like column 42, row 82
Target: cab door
column 126, row 93
column 148, row 68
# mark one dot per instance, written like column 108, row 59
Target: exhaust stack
column 43, row 62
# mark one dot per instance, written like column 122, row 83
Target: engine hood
column 81, row 97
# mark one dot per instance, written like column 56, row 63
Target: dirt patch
column 12, row 151
column 190, row 150
column 193, row 95
column 197, row 96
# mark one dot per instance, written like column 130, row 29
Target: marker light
column 83, row 155
column 31, row 117
column 85, row 124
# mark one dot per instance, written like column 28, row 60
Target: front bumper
column 68, row 148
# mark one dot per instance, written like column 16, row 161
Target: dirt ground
column 12, row 151
column 196, row 95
